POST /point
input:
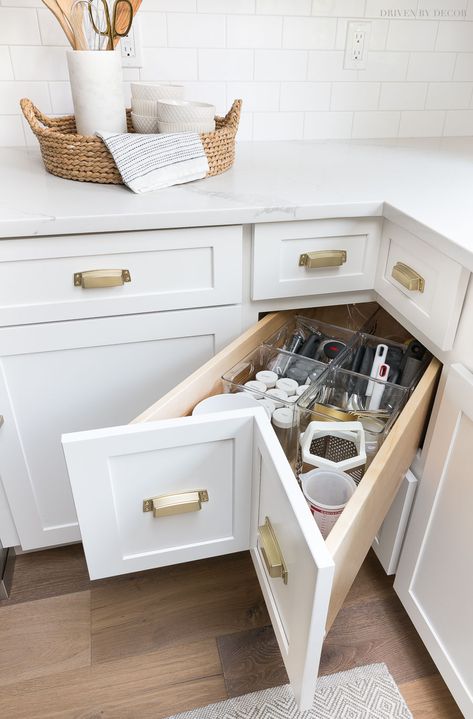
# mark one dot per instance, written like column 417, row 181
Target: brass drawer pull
column 271, row 552
column 168, row 504
column 408, row 278
column 101, row 278
column 323, row 258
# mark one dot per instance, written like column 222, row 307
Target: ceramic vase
column 97, row 91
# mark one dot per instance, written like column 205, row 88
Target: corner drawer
column 304, row 579
column 350, row 250
column 152, row 271
column 421, row 284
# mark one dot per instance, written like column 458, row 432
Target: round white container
column 144, row 107
column 254, row 385
column 144, row 124
column 301, row 389
column 182, row 111
column 327, row 492
column 287, row 385
column 156, row 91
column 267, row 377
column 197, row 126
column 278, row 396
column 97, row 92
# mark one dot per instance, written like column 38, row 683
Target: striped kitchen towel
column 151, row 162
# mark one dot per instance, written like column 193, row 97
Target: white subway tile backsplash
column 227, row 6
column 375, row 124
column 254, row 31
column 455, row 36
column 280, row 64
column 189, row 30
column 431, row 66
column 415, row 123
column 449, row 95
column 355, row 96
column 402, row 95
column 169, row 64
column 411, row 35
column 19, row 26
column 35, row 62
column 459, row 123
column 336, row 8
column 226, row 64
column 153, row 29
column 256, row 96
column 305, row 96
column 311, row 33
column 284, row 7
column 11, row 131
column 12, row 92
column 278, row 125
column 213, row 92
column 464, row 67
column 284, row 58
column 385, row 66
column 328, row 65
column 328, row 125
column 6, row 70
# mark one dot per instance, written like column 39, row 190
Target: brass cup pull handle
column 101, row 278
column 408, row 278
column 322, row 258
column 271, row 552
column 167, row 505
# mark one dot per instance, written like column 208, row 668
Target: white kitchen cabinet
column 232, row 475
column 314, row 257
column 64, row 376
column 435, row 574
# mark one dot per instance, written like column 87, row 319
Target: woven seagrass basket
column 76, row 157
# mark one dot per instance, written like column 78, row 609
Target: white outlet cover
column 130, row 46
column 356, row 45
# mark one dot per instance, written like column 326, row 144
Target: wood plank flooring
column 151, row 644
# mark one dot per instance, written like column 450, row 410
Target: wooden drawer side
column 353, row 534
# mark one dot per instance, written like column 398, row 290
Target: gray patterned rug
column 367, row 692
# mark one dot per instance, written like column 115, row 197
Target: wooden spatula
column 80, row 40
column 62, row 20
column 122, row 17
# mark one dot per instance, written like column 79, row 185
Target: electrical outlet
column 356, row 47
column 130, row 46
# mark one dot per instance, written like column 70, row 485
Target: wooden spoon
column 62, row 20
column 122, row 18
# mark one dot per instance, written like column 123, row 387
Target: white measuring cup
column 327, row 491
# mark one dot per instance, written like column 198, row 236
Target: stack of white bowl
column 185, row 116
column 144, row 103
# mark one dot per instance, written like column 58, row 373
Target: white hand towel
column 151, row 162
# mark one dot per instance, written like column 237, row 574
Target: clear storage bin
column 329, row 342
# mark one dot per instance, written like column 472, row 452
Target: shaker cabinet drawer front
column 426, row 287
column 82, row 276
column 291, row 259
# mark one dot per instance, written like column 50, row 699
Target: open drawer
column 170, row 488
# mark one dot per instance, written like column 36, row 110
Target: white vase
column 97, row 91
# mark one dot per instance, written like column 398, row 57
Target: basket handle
column 35, row 118
column 232, row 117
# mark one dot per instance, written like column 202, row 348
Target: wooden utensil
column 80, row 42
column 122, row 18
column 62, row 20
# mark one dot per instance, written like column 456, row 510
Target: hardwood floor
column 161, row 642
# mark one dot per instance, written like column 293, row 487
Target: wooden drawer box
column 421, row 285
column 352, row 247
column 114, row 469
column 154, row 271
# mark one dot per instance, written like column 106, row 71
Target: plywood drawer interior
column 353, row 534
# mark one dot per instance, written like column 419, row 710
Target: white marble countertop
column 423, row 185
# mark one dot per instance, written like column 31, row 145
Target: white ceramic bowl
column 171, row 127
column 144, row 107
column 224, row 402
column 181, row 111
column 156, row 91
column 144, row 123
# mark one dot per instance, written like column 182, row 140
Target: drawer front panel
column 278, row 248
column 50, row 278
column 425, row 286
column 113, row 471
